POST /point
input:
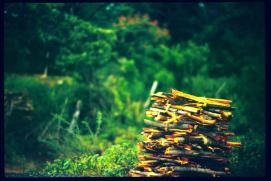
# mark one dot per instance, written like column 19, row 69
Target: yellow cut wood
column 183, row 162
column 187, row 108
column 225, row 101
column 148, row 169
column 151, row 130
column 197, row 99
column 159, row 94
column 226, row 115
column 201, row 119
column 231, row 143
column 204, row 138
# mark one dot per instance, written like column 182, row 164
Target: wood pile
column 186, row 136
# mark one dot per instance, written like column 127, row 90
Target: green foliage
column 116, row 161
column 84, row 58
column 28, row 33
column 247, row 160
column 21, row 133
column 54, row 104
column 74, row 166
column 38, row 92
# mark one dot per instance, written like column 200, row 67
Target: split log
column 146, row 174
column 200, row 170
column 209, row 102
column 168, row 126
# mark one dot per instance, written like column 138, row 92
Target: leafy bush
column 21, row 133
column 248, row 160
column 39, row 94
column 53, row 104
column 115, row 161
column 82, row 60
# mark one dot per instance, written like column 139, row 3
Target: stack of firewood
column 186, row 136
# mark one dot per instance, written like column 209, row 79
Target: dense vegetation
column 102, row 60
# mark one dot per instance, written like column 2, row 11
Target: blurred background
column 77, row 77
